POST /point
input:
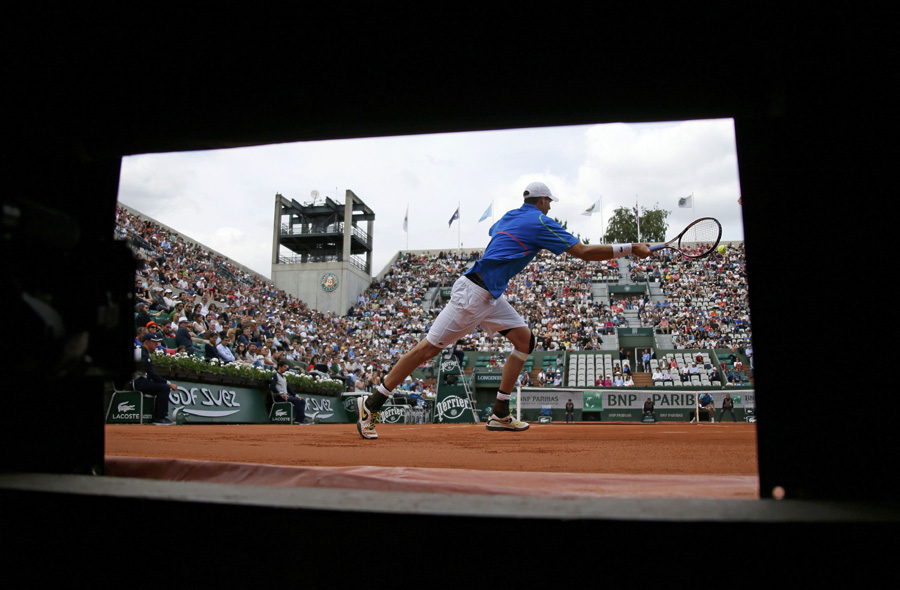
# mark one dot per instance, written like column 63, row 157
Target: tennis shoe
column 365, row 420
column 508, row 423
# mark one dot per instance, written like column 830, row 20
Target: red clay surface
column 626, row 460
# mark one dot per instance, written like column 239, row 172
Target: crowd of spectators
column 705, row 304
column 555, row 296
column 205, row 304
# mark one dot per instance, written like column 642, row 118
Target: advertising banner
column 204, row 403
column 627, row 403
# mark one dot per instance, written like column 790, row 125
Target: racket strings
column 700, row 237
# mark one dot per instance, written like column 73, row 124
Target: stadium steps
column 632, row 317
column 600, row 292
column 642, row 379
column 428, row 299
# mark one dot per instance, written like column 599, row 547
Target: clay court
column 664, row 460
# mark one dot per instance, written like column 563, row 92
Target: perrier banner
column 452, row 403
column 453, row 406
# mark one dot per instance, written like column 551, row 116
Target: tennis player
column 477, row 299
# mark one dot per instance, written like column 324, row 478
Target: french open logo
column 329, row 282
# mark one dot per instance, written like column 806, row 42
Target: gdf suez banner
column 203, row 403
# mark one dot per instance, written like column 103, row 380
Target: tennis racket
column 696, row 240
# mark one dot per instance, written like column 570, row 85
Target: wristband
column 620, row 250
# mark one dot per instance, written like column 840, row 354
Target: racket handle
column 657, row 247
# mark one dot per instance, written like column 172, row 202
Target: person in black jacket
column 649, row 409
column 282, row 392
column 727, row 404
column 209, row 349
column 147, row 380
column 184, row 340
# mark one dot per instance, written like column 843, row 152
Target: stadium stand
column 699, row 305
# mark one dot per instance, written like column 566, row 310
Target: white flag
column 487, row 212
column 591, row 210
column 406, row 220
column 686, row 202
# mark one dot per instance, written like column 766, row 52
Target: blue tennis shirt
column 515, row 240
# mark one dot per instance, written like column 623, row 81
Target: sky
column 225, row 199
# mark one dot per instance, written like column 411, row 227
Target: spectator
column 281, row 391
column 147, row 380
column 183, row 337
column 143, row 315
column 210, row 350
column 223, row 348
column 177, row 311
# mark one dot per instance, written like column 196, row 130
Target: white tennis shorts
column 469, row 307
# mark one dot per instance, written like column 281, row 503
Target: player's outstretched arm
column 605, row 251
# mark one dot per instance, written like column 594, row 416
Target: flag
column 591, row 210
column 636, row 214
column 489, row 212
column 406, row 220
column 686, row 202
column 454, row 218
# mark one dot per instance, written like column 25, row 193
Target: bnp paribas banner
column 628, row 403
column 555, row 399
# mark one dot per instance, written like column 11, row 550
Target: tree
column 565, row 226
column 623, row 227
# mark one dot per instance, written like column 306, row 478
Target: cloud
column 228, row 196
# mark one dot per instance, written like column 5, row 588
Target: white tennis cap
column 538, row 189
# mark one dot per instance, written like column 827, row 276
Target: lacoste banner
column 125, row 408
column 281, row 413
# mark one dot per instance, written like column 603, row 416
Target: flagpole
column 601, row 219
column 637, row 216
column 458, row 230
